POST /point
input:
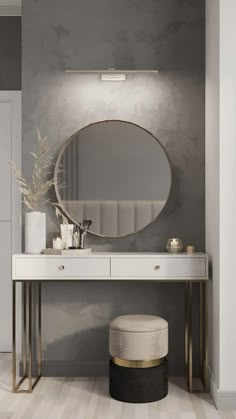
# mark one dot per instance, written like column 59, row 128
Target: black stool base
column 138, row 385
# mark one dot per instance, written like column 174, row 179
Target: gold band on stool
column 137, row 364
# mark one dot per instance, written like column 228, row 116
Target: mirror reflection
column 116, row 174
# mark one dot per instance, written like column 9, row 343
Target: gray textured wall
column 10, row 53
column 164, row 34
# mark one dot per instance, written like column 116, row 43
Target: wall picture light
column 111, row 74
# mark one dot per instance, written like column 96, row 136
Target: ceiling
column 10, row 7
column 10, row 2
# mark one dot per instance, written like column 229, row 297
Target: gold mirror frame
column 57, row 171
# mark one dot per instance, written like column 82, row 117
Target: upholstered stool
column 138, row 345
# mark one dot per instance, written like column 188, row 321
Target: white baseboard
column 224, row 400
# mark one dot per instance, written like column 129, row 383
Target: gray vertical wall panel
column 168, row 34
column 5, row 286
column 10, row 53
column 5, row 157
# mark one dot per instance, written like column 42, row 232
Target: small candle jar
column 57, row 243
column 190, row 249
column 174, row 245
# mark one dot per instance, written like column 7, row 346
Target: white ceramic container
column 67, row 235
column 35, row 232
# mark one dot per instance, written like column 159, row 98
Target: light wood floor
column 81, row 398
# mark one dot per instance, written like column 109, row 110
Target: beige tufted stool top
column 138, row 337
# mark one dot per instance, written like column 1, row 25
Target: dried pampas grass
column 34, row 193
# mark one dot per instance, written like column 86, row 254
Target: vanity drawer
column 51, row 267
column 160, row 267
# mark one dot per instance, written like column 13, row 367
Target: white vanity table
column 32, row 270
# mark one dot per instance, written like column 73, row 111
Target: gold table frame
column 203, row 349
column 27, row 344
column 27, row 323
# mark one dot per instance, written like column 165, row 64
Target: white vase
column 35, row 232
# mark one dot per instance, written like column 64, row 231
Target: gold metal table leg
column 188, row 336
column 39, row 331
column 24, row 328
column 39, row 335
column 13, row 336
column 203, row 347
column 27, row 295
column 201, row 324
column 29, row 309
column 186, row 333
column 204, row 334
column 205, row 372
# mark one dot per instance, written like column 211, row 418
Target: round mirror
column 114, row 173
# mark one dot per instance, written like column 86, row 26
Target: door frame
column 14, row 99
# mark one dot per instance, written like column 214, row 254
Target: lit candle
column 57, row 243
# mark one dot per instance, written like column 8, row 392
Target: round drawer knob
column 156, row 268
column 61, row 268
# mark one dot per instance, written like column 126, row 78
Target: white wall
column 212, row 176
column 10, row 212
column 227, row 195
column 221, row 193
